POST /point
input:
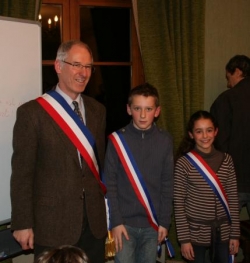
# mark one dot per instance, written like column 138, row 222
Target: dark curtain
column 24, row 9
column 172, row 35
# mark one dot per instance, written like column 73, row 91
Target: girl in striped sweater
column 205, row 195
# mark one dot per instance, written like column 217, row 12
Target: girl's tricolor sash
column 60, row 111
column 137, row 182
column 211, row 178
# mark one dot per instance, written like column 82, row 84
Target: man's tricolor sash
column 211, row 178
column 137, row 182
column 60, row 111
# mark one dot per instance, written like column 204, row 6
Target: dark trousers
column 93, row 247
column 219, row 251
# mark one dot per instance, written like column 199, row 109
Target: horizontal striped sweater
column 196, row 206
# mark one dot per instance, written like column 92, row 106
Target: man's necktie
column 77, row 110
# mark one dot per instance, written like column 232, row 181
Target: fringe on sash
column 109, row 246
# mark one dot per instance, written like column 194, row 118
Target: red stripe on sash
column 132, row 181
column 211, row 172
column 74, row 139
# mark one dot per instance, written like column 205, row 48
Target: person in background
column 63, row 254
column 205, row 195
column 56, row 194
column 139, row 178
column 232, row 111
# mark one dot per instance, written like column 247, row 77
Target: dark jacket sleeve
column 221, row 111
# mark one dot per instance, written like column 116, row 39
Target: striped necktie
column 77, row 110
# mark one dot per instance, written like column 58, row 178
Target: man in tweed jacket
column 48, row 178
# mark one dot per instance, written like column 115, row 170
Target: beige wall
column 227, row 33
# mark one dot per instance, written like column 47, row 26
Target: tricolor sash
column 134, row 176
column 211, row 178
column 60, row 111
column 137, row 183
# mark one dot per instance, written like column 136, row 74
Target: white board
column 20, row 81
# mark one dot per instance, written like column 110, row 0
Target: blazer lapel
column 66, row 141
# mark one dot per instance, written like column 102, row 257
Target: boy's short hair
column 145, row 90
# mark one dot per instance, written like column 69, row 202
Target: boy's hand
column 162, row 233
column 117, row 233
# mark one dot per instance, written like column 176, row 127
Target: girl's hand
column 233, row 246
column 187, row 251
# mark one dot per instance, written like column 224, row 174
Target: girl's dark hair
column 187, row 144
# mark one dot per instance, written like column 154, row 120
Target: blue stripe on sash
column 79, row 123
column 210, row 184
column 138, row 174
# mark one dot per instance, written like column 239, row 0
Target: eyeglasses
column 79, row 66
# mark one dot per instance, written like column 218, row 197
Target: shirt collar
column 67, row 97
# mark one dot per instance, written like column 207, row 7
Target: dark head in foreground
column 63, row 254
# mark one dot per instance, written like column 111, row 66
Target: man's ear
column 238, row 73
column 129, row 110
column 58, row 66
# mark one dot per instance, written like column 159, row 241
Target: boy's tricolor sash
column 60, row 111
column 211, row 178
column 134, row 176
column 137, row 182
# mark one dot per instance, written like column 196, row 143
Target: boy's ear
column 129, row 110
column 157, row 112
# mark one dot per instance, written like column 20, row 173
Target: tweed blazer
column 47, row 181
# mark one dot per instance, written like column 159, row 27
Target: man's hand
column 117, row 233
column 25, row 238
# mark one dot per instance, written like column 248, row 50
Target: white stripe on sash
column 211, row 178
column 73, row 126
column 133, row 177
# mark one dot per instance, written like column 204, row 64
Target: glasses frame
column 79, row 66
